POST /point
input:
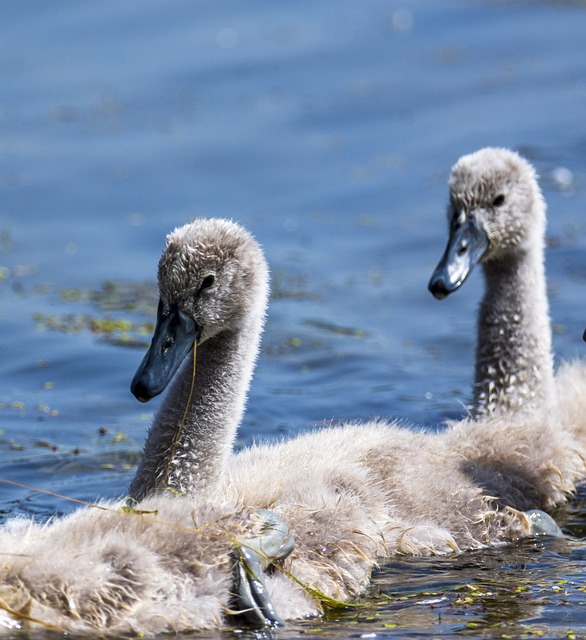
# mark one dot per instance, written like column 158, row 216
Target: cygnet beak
column 467, row 244
column 174, row 337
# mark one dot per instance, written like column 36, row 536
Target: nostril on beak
column 462, row 249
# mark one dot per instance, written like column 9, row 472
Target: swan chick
column 496, row 217
column 213, row 285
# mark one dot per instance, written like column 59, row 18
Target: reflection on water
column 510, row 592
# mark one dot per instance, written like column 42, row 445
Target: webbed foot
column 253, row 557
column 542, row 524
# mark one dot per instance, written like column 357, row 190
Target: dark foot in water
column 253, row 557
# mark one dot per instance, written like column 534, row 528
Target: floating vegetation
column 295, row 344
column 19, row 405
column 119, row 331
column 118, row 296
column 130, row 310
column 506, row 603
column 336, row 329
column 44, row 444
column 285, row 287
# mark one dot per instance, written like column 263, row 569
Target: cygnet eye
column 207, row 282
column 499, row 200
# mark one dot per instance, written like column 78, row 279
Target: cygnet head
column 495, row 210
column 212, row 275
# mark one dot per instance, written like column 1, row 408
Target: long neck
column 514, row 363
column 188, row 455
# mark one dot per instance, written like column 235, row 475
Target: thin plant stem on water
column 151, row 516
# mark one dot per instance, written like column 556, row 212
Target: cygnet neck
column 514, row 362
column 193, row 461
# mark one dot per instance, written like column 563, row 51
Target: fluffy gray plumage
column 231, row 313
column 353, row 496
column 514, row 363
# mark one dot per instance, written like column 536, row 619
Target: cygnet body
column 353, row 496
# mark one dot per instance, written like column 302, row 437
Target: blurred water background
column 328, row 129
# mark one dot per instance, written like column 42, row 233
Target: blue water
column 328, row 129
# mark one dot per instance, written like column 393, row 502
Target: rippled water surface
column 328, row 129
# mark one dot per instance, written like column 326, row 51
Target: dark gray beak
column 174, row 337
column 467, row 244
